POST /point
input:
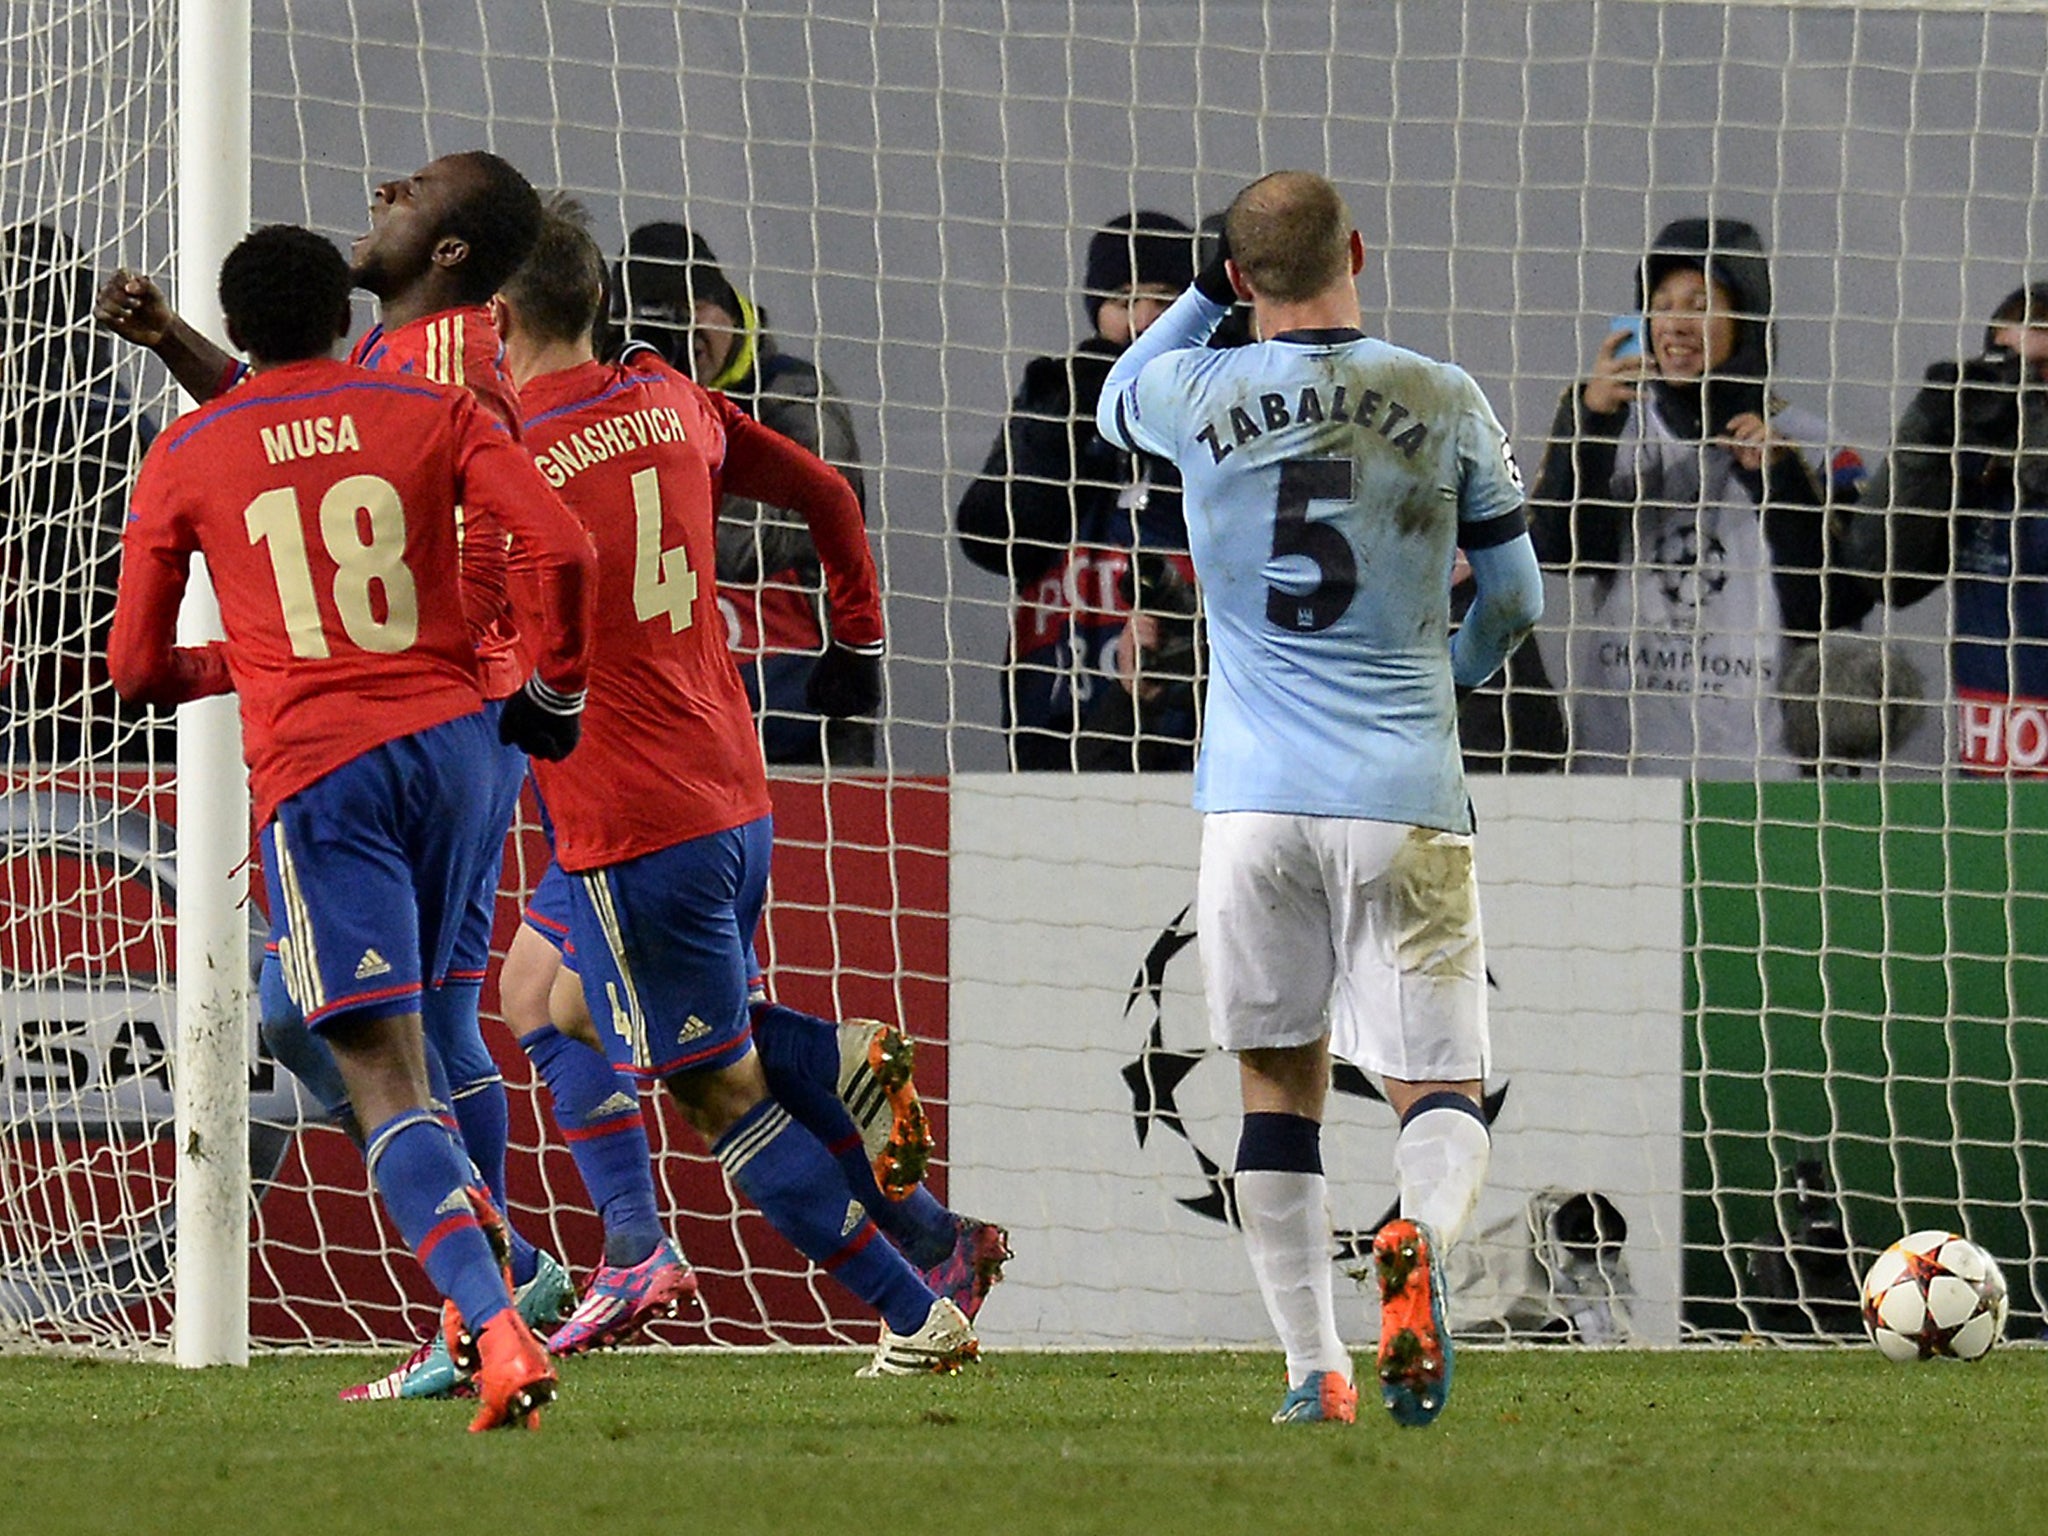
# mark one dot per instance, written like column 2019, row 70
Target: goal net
column 1765, row 916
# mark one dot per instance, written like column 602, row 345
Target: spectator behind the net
column 1964, row 496
column 1690, row 505
column 1082, row 531
column 670, row 292
column 69, row 440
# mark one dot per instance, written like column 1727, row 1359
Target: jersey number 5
column 273, row 519
column 1323, row 545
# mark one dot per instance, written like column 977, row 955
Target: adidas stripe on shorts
column 665, row 946
column 368, row 870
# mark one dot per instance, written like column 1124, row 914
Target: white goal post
column 1756, row 1017
column 211, row 1275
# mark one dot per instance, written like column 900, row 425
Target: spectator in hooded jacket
column 1963, row 496
column 1104, row 661
column 69, row 440
column 1691, row 506
column 670, row 292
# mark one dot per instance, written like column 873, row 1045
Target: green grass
column 1534, row 1441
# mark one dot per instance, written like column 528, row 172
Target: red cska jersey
column 320, row 497
column 456, row 346
column 643, row 456
column 462, row 347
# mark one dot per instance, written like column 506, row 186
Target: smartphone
column 1631, row 344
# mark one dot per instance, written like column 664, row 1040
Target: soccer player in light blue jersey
column 1330, row 479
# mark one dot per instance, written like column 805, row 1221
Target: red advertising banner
column 856, row 927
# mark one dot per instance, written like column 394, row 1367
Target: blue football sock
column 598, row 1111
column 465, row 1078
column 469, row 1085
column 918, row 1224
column 800, row 1058
column 297, row 1049
column 484, row 1116
column 442, row 1103
column 422, row 1173
column 790, row 1176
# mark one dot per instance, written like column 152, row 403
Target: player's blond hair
column 1290, row 235
column 559, row 288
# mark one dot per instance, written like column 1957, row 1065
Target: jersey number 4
column 273, row 519
column 1321, row 545
column 663, row 583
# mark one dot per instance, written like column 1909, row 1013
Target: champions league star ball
column 1934, row 1294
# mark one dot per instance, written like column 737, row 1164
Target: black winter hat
column 46, row 296
column 2025, row 305
column 1132, row 248
column 1728, row 251
column 668, row 270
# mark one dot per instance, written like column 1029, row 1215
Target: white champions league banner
column 1092, row 1117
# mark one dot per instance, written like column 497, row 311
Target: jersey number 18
column 359, row 566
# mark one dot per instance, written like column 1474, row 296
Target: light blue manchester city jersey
column 1327, row 475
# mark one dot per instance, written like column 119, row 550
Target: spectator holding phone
column 1690, row 505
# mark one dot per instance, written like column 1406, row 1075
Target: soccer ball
column 1934, row 1293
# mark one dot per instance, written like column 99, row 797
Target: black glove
column 1212, row 282
column 846, row 681
column 541, row 721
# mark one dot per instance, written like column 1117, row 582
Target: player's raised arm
column 553, row 589
column 1188, row 322
column 133, row 307
column 143, row 658
column 766, row 466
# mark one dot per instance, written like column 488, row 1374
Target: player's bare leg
column 787, row 1172
column 1281, row 1205
column 1440, row 1160
column 569, row 1009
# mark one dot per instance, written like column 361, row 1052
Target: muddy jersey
column 1328, row 477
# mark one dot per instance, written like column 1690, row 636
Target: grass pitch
column 1533, row 1441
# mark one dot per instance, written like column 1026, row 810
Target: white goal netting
column 1765, row 916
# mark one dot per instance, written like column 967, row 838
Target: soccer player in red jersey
column 324, row 501
column 439, row 243
column 435, row 319
column 664, row 822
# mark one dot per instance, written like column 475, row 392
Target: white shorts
column 1365, row 930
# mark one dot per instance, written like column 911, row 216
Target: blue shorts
column 506, row 772
column 370, row 869
column 547, row 909
column 665, row 943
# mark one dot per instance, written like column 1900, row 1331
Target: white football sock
column 1287, row 1233
column 1440, row 1163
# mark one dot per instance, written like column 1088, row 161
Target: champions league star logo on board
column 1178, row 1062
